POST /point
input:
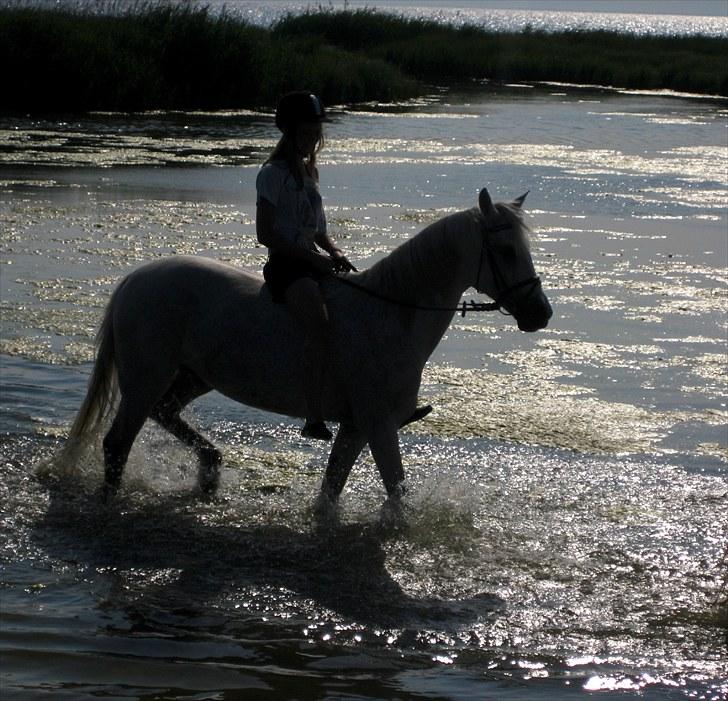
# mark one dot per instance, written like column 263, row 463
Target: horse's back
column 192, row 275
column 211, row 318
column 174, row 304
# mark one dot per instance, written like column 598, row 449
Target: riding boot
column 313, row 353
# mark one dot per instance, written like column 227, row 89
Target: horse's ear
column 485, row 203
column 520, row 200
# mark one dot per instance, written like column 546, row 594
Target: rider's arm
column 269, row 236
column 323, row 240
column 341, row 262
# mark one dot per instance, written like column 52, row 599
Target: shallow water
column 566, row 528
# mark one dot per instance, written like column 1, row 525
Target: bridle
column 505, row 291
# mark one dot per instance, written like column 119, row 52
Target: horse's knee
column 165, row 413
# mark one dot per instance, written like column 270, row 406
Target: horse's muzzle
column 533, row 313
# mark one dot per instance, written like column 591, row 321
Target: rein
column 466, row 306
column 463, row 308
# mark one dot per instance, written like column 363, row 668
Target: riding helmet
column 299, row 108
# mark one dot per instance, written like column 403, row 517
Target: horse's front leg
column 384, row 444
column 347, row 446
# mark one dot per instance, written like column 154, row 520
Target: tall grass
column 164, row 56
column 156, row 56
column 436, row 52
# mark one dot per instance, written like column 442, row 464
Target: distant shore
column 157, row 56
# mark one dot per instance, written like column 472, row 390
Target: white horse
column 179, row 327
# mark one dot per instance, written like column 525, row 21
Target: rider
column 290, row 221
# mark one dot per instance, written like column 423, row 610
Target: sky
column 717, row 8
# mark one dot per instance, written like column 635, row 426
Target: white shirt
column 295, row 209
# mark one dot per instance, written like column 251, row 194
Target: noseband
column 505, row 291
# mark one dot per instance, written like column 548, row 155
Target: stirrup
column 317, row 430
column 417, row 414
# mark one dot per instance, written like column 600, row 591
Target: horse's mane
column 423, row 256
column 432, row 251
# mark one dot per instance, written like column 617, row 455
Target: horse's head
column 505, row 267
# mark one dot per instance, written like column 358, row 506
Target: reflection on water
column 596, row 578
column 565, row 531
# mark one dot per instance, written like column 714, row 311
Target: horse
column 177, row 328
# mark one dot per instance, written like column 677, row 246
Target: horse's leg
column 128, row 422
column 384, row 444
column 166, row 413
column 141, row 389
column 347, row 446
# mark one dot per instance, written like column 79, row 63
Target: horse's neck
column 426, row 270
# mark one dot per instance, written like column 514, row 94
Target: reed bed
column 159, row 56
column 164, row 56
column 430, row 51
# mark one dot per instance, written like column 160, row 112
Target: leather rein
column 466, row 306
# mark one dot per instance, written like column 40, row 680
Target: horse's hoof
column 397, row 492
column 108, row 493
column 325, row 504
column 393, row 513
column 208, row 485
column 209, row 481
column 392, row 516
column 209, row 476
column 325, row 509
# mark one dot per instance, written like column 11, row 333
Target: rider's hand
column 341, row 262
column 323, row 264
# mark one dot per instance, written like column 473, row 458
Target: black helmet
column 297, row 108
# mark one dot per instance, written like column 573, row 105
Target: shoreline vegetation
column 179, row 57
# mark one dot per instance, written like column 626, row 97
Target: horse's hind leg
column 166, row 413
column 140, row 392
column 118, row 441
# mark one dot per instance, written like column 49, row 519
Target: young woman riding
column 290, row 221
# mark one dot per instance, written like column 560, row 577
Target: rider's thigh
column 305, row 302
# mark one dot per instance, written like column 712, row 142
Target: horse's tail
column 102, row 386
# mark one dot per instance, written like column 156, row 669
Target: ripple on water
column 519, row 562
column 532, row 551
column 529, row 408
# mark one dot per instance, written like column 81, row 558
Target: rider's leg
column 304, row 301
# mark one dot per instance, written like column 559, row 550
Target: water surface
column 566, row 529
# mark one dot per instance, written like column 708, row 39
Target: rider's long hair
column 285, row 150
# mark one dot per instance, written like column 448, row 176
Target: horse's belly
column 285, row 395
column 261, row 365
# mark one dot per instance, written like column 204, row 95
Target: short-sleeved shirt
column 295, row 208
